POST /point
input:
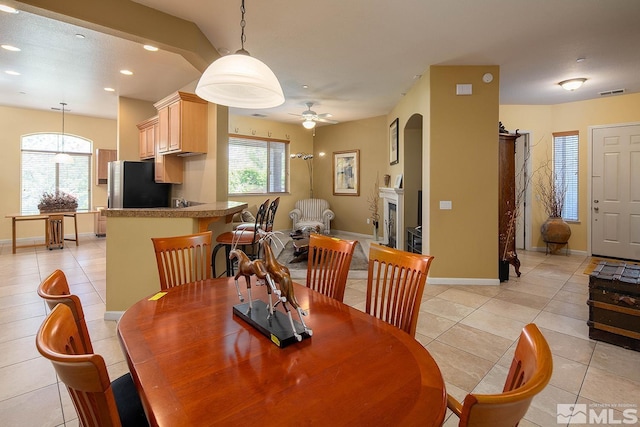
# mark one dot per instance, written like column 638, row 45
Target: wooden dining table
column 195, row 363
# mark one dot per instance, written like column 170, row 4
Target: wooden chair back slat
column 395, row 283
column 183, row 259
column 328, row 263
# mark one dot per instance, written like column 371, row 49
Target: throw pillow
column 248, row 216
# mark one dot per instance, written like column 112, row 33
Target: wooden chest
column 614, row 304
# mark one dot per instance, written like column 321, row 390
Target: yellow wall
column 542, row 121
column 464, row 170
column 130, row 113
column 369, row 136
column 16, row 122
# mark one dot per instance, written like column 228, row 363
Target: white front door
column 615, row 192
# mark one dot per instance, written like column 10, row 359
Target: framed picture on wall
column 346, row 173
column 393, row 142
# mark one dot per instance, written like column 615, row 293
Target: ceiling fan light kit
column 572, row 84
column 309, row 124
column 240, row 80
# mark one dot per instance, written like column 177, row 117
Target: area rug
column 357, row 270
column 593, row 263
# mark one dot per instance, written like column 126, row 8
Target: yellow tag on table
column 157, row 296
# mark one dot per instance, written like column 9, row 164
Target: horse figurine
column 280, row 274
column 248, row 268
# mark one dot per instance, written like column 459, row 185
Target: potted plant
column 374, row 201
column 57, row 202
column 555, row 231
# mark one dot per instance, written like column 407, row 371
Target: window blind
column 565, row 166
column 256, row 165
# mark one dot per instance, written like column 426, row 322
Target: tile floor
column 469, row 330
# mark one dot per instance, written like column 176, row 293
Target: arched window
column 40, row 173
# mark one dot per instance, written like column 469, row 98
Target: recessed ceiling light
column 223, row 51
column 11, row 48
column 150, row 48
column 80, row 36
column 12, row 73
column 109, row 89
column 8, row 9
column 580, row 59
column 126, row 72
column 305, row 86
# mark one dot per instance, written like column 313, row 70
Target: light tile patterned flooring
column 469, row 330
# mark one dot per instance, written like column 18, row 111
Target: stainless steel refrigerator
column 132, row 185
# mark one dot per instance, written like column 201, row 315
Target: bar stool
column 243, row 238
column 55, row 227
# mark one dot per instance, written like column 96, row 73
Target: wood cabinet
column 507, row 214
column 103, row 157
column 182, row 124
column 148, row 137
column 168, row 169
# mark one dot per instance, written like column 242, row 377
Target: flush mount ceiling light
column 150, row 48
column 240, row 80
column 62, row 157
column 572, row 84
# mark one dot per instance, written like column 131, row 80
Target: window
column 257, row 165
column 565, row 167
column 40, row 173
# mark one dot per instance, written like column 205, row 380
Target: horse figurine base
column 276, row 327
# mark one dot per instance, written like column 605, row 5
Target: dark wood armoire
column 507, row 214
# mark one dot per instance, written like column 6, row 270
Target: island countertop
column 204, row 210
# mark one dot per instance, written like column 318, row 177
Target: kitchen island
column 132, row 272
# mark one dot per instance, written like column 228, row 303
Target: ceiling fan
column 310, row 118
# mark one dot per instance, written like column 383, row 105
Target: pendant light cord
column 243, row 23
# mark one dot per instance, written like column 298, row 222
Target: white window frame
column 566, row 150
column 47, row 145
column 277, row 169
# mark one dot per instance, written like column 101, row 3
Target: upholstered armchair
column 312, row 213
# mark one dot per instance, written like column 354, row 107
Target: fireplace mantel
column 393, row 196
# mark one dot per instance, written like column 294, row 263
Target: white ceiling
column 357, row 57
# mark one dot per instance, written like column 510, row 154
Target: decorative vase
column 375, row 232
column 555, row 232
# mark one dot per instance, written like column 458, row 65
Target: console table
column 15, row 218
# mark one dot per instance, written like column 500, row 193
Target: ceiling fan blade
column 333, row 122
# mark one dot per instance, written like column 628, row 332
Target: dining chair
column 530, row 371
column 247, row 240
column 328, row 262
column 54, row 289
column 182, row 259
column 395, row 283
column 98, row 401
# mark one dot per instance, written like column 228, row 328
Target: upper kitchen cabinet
column 182, row 124
column 103, row 157
column 148, row 136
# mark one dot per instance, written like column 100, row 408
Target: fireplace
column 393, row 220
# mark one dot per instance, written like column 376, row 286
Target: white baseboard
column 462, row 281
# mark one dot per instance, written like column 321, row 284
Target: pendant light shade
column 241, row 81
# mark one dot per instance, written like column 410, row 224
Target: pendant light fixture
column 62, row 157
column 240, row 80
